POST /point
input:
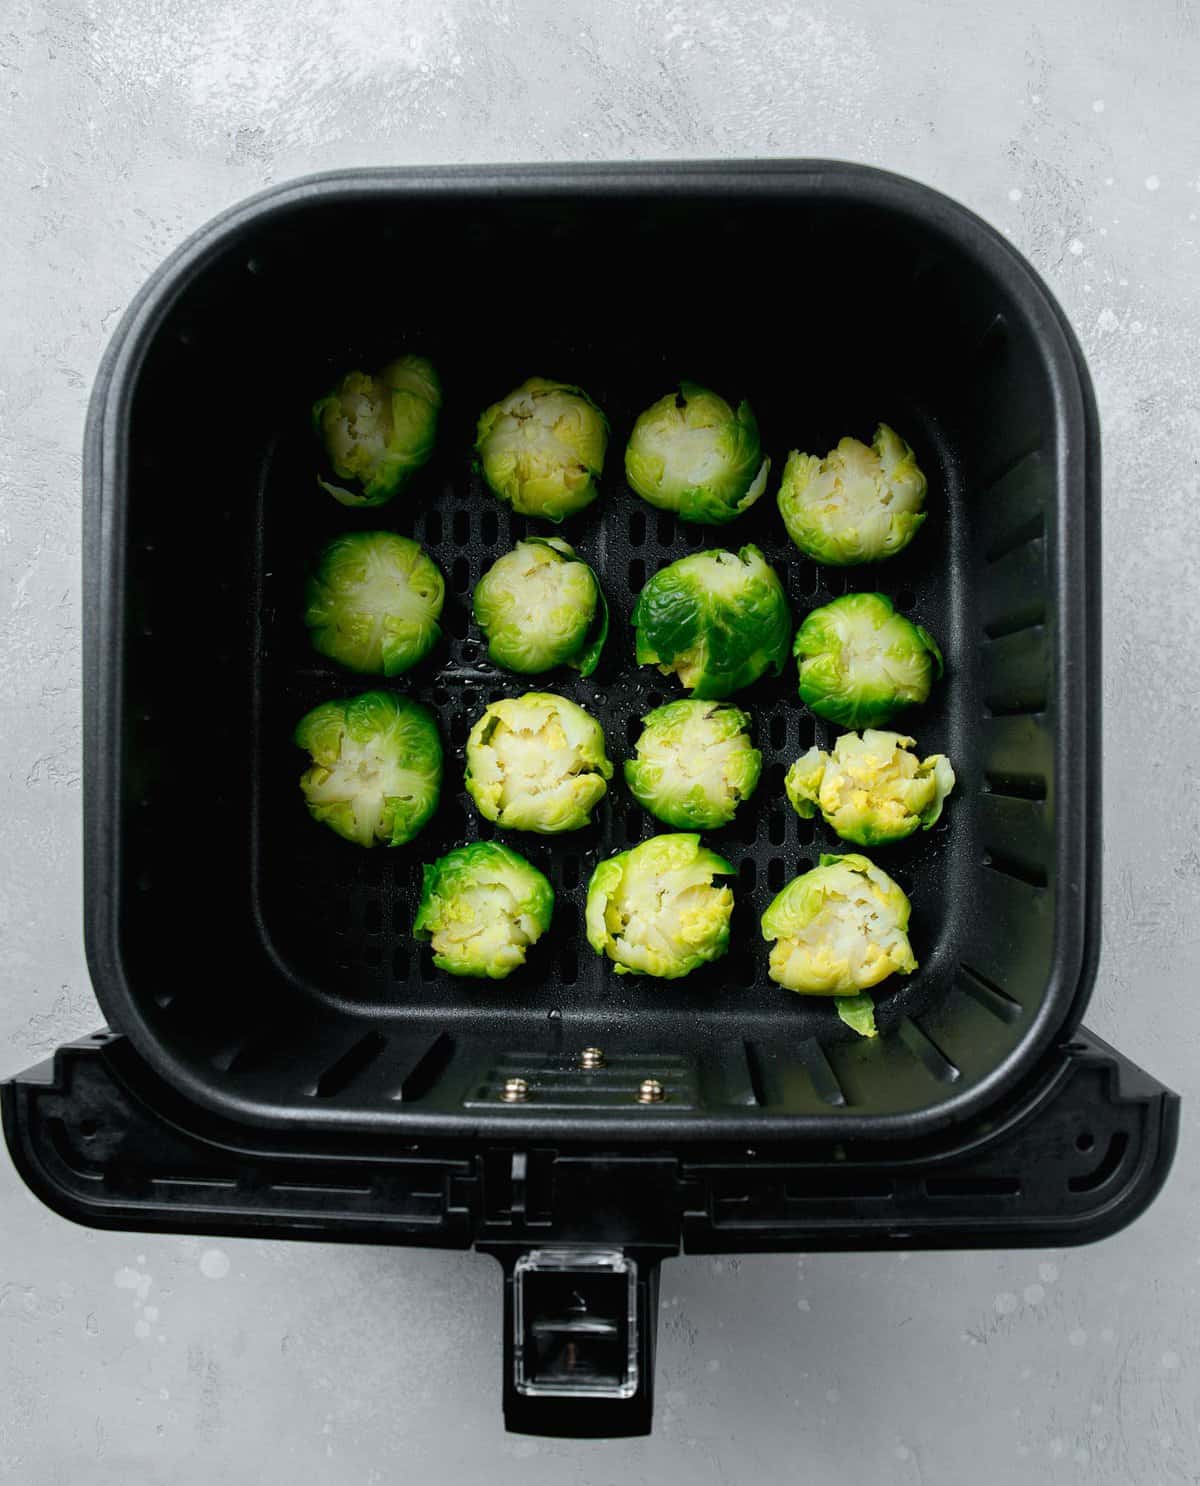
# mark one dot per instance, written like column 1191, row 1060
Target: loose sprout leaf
column 376, row 770
column 482, row 908
column 374, row 601
column 694, row 764
column 691, row 452
column 541, row 449
column 378, row 430
column 860, row 662
column 859, row 503
column 718, row 620
column 858, row 1012
column 537, row 763
column 838, row 929
column 657, row 909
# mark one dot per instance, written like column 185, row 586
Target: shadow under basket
column 285, row 1059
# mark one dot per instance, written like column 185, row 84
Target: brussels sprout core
column 379, row 429
column 537, row 763
column 691, row 453
column 871, row 789
column 481, row 909
column 541, row 448
column 861, row 662
column 695, row 764
column 718, row 620
column 374, row 601
column 541, row 607
column 838, row 929
column 376, row 767
column 655, row 909
column 859, row 504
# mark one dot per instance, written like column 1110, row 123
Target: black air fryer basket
column 285, row 1058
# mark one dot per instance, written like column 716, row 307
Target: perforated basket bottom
column 338, row 918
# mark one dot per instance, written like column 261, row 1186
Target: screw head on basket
column 592, row 1057
column 514, row 1090
column 650, row 1091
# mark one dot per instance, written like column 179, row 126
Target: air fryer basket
column 267, row 969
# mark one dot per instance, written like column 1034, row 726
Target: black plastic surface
column 1075, row 1153
column 266, row 969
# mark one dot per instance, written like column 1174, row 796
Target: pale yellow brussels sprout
column 537, row 763
column 656, row 909
column 482, row 907
column 541, row 448
column 378, row 430
column 871, row 789
column 839, row 929
column 860, row 503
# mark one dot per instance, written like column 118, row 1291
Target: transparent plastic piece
column 575, row 1324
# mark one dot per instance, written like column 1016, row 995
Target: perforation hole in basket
column 776, row 873
column 777, row 828
column 460, row 575
column 637, row 528
column 460, row 527
column 489, row 528
column 433, row 526
column 664, row 528
column 637, row 575
column 778, row 730
column 747, row 874
column 569, row 872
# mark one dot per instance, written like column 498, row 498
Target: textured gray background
column 1072, row 126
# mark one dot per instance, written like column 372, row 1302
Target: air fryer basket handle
column 579, row 1341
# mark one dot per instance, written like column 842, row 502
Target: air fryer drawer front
column 1077, row 1154
column 267, row 969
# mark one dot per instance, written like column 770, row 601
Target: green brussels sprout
column 540, row 607
column 861, row 662
column 374, row 601
column 718, row 620
column 871, row 790
column 537, row 763
column 695, row 764
column 482, row 907
column 655, row 909
column 691, row 453
column 838, row 929
column 379, row 430
column 859, row 504
column 376, row 767
column 541, row 448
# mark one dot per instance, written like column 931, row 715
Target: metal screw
column 650, row 1091
column 592, row 1057
column 514, row 1090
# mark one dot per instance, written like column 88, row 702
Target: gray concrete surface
column 1071, row 124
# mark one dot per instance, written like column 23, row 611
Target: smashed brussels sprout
column 838, row 929
column 871, row 790
column 695, row 764
column 378, row 430
column 481, row 909
column 655, row 909
column 374, row 602
column 718, row 620
column 537, row 763
column 861, row 503
column 691, row 452
column 376, row 767
column 861, row 662
column 541, row 448
column 541, row 607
